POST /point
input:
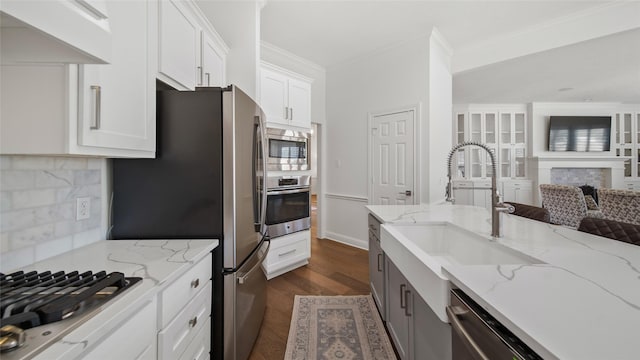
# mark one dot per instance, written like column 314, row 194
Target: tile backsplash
column 578, row 176
column 38, row 206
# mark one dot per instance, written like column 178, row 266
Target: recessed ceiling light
column 587, row 100
column 565, row 89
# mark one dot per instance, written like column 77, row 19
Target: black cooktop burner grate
column 36, row 298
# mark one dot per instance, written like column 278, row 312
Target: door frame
column 417, row 158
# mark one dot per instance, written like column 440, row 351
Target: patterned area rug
column 337, row 327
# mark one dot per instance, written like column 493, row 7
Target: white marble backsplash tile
column 38, row 206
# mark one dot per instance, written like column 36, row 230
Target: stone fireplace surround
column 607, row 171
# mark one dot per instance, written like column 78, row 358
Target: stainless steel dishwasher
column 476, row 335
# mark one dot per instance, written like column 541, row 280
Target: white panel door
column 393, row 158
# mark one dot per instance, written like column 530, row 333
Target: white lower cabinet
column 134, row 339
column 200, row 345
column 185, row 310
column 632, row 185
column 287, row 253
column 416, row 331
column 520, row 191
column 174, row 339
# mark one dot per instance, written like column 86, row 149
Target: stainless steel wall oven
column 288, row 204
column 287, row 150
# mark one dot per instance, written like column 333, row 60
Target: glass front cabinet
column 626, row 142
column 501, row 128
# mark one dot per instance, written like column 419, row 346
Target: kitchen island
column 578, row 299
column 175, row 278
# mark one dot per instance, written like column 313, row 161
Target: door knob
column 406, row 192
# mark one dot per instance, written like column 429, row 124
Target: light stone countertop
column 157, row 262
column 582, row 303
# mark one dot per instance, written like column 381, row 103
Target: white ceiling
column 331, row 32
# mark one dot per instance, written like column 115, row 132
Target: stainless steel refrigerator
column 205, row 183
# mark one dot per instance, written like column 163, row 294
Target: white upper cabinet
column 100, row 110
column 60, row 31
column 285, row 97
column 503, row 129
column 117, row 101
column 213, row 61
column 626, row 140
column 178, row 44
column 190, row 52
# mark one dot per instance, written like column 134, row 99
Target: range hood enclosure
column 55, row 31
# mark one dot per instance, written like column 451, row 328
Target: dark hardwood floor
column 334, row 269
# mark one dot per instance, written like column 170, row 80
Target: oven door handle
column 286, row 192
column 467, row 339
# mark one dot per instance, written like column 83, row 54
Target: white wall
column 440, row 125
column 38, row 206
column 393, row 78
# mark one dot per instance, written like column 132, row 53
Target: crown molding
column 291, row 56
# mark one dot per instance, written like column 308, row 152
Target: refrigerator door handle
column 243, row 278
column 262, row 187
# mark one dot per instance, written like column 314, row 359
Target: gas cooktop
column 39, row 308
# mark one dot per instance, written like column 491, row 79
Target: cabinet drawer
column 174, row 339
column 287, row 250
column 176, row 295
column 134, row 339
column 200, row 346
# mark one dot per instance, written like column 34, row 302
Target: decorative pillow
column 591, row 203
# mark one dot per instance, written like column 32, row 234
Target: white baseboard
column 347, row 240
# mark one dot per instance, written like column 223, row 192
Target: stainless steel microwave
column 288, row 150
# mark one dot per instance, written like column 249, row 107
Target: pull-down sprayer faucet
column 496, row 206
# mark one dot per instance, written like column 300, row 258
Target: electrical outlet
column 83, row 208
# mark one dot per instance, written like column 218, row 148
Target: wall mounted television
column 579, row 133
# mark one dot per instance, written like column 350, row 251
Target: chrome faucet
column 496, row 205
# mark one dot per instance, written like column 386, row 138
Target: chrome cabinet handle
column 199, row 75
column 406, row 302
column 193, row 322
column 379, row 257
column 406, row 193
column 456, row 325
column 291, row 117
column 286, row 113
column 96, row 119
column 287, row 253
column 208, row 78
column 195, row 283
column 402, row 287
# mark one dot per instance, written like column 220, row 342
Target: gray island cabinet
column 415, row 330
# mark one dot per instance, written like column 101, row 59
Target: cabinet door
column 213, row 63
column 430, row 337
column 397, row 319
column 178, row 45
column 273, row 96
column 300, row 103
column 376, row 273
column 117, row 101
